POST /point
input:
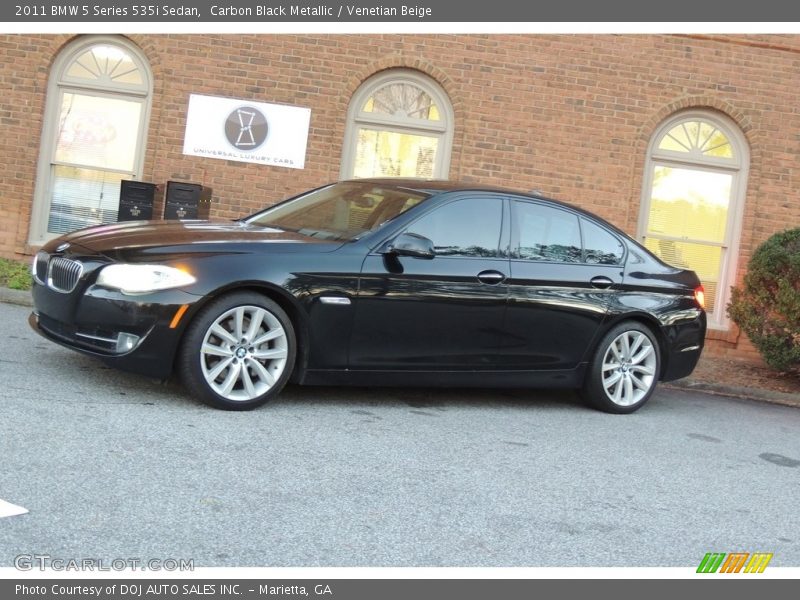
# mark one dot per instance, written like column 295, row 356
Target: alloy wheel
column 244, row 352
column 629, row 368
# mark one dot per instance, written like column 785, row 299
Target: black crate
column 186, row 201
column 136, row 199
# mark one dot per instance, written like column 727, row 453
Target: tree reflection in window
column 469, row 228
column 600, row 247
column 403, row 100
column 399, row 125
column 547, row 234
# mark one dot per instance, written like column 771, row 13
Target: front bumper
column 132, row 333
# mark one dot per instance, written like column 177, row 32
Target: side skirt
column 572, row 378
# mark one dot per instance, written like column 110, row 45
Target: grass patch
column 14, row 274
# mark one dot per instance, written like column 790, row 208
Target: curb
column 744, row 393
column 19, row 297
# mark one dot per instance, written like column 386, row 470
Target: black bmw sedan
column 377, row 282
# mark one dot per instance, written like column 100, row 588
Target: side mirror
column 411, row 244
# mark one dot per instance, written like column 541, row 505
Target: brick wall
column 569, row 115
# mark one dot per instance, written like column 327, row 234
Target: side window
column 599, row 246
column 547, row 234
column 469, row 227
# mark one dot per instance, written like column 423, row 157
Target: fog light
column 126, row 342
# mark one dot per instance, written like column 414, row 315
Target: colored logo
column 246, row 128
column 735, row 562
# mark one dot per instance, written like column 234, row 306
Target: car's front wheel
column 238, row 352
column 625, row 369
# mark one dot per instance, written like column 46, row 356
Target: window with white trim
column 400, row 124
column 693, row 199
column 96, row 114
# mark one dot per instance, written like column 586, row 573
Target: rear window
column 599, row 246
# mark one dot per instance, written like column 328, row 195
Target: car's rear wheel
column 238, row 352
column 625, row 369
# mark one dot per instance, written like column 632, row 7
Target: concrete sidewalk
column 746, row 393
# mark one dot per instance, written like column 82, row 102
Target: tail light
column 700, row 296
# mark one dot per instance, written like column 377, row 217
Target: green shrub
column 14, row 274
column 767, row 306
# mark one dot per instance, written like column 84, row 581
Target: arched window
column 96, row 114
column 400, row 124
column 693, row 199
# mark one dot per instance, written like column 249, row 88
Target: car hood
column 126, row 240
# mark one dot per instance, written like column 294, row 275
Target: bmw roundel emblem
column 62, row 247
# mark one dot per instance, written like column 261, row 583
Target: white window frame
column 58, row 84
column 441, row 129
column 737, row 167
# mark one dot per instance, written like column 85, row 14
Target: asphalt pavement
column 112, row 465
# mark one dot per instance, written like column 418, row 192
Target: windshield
column 342, row 211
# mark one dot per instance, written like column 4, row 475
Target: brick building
column 688, row 142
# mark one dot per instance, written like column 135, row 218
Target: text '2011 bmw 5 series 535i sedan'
column 377, row 282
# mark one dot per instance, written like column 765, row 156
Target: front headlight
column 141, row 279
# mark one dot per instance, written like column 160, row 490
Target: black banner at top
column 389, row 11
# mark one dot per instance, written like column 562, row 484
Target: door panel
column 443, row 313
column 428, row 314
column 564, row 270
column 554, row 313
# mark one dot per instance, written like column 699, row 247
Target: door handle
column 601, row 282
column 491, row 277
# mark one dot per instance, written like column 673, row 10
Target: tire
column 238, row 352
column 624, row 370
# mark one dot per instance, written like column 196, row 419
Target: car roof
column 435, row 186
column 430, row 185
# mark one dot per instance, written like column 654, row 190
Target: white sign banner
column 247, row 131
